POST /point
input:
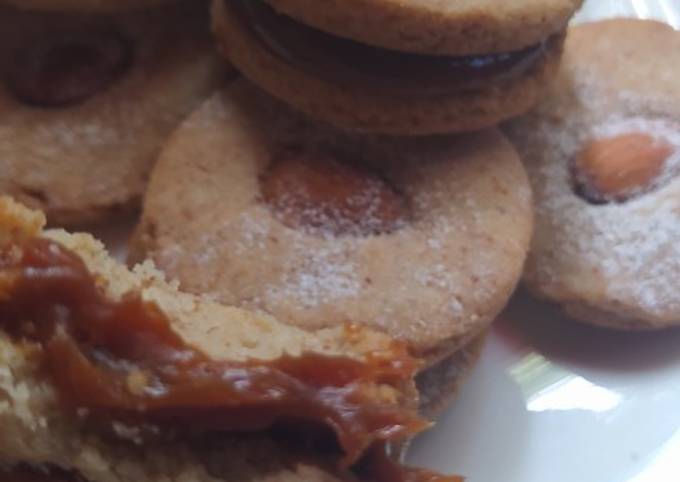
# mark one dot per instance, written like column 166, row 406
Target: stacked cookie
column 89, row 91
column 398, row 67
column 334, row 184
column 113, row 375
column 350, row 197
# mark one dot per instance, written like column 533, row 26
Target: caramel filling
column 618, row 168
column 121, row 361
column 63, row 70
column 317, row 192
column 353, row 64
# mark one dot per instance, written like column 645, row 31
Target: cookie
column 603, row 155
column 86, row 101
column 84, row 6
column 439, row 385
column 421, row 238
column 396, row 67
column 114, row 375
column 432, row 27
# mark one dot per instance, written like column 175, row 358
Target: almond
column 617, row 168
column 67, row 69
column 317, row 191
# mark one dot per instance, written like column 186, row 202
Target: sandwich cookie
column 603, row 155
column 114, row 375
column 87, row 101
column 421, row 238
column 394, row 66
column 439, row 385
column 84, row 6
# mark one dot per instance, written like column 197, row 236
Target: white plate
column 553, row 401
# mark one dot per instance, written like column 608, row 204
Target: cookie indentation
column 59, row 71
column 314, row 190
column 615, row 169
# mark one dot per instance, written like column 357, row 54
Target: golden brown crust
column 369, row 110
column 612, row 264
column 435, row 283
column 436, row 27
column 84, row 161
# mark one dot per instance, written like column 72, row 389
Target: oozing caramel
column 314, row 190
column 349, row 63
column 121, row 360
column 63, row 70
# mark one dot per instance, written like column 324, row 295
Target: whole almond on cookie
column 603, row 155
column 615, row 168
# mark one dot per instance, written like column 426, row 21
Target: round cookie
column 86, row 102
column 433, row 27
column 84, row 6
column 603, row 156
column 422, row 238
column 368, row 88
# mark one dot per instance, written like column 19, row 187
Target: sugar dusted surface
column 436, row 279
column 634, row 245
column 81, row 161
column 621, row 257
column 324, row 276
column 328, row 220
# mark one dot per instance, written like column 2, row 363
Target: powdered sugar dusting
column 308, row 270
column 627, row 253
column 254, row 233
column 316, row 192
column 324, row 276
column 440, row 272
column 329, row 220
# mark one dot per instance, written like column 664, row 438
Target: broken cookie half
column 111, row 375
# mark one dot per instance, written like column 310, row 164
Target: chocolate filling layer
column 349, row 63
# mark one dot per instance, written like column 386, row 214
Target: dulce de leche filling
column 64, row 69
column 121, row 361
column 346, row 62
column 314, row 190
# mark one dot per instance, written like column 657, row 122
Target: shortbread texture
column 81, row 162
column 615, row 264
